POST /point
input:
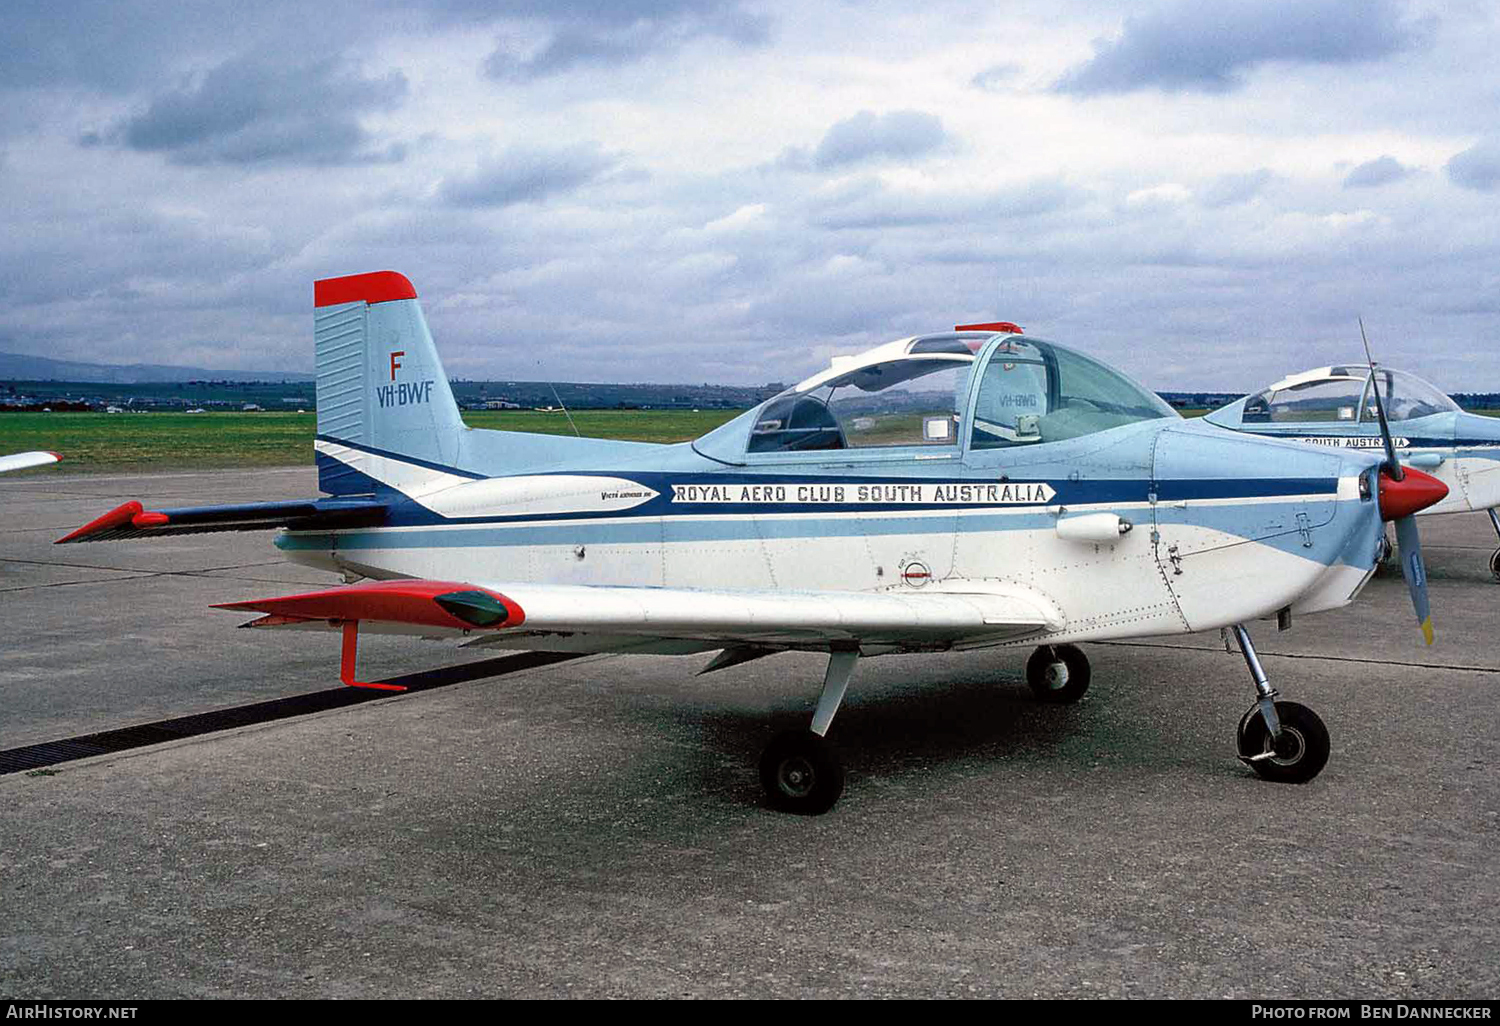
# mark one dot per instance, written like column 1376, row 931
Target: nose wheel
column 1385, row 556
column 1058, row 674
column 1281, row 741
column 1495, row 556
column 1297, row 755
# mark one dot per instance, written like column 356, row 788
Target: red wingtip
column 1413, row 493
column 1014, row 329
column 55, row 455
column 149, row 519
column 375, row 287
column 117, row 517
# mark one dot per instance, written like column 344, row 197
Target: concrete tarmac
column 596, row 828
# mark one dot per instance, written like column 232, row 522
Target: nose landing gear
column 1495, row 556
column 1281, row 741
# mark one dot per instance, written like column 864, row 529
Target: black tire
column 1058, row 674
column 1495, row 564
column 801, row 773
column 1302, row 751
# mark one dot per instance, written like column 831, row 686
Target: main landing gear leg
column 799, row 769
column 1495, row 556
column 1281, row 741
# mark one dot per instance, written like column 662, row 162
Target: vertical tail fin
column 386, row 416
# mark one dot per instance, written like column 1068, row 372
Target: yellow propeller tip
column 1427, row 629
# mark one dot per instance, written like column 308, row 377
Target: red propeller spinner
column 1415, row 491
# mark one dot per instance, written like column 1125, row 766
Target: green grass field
column 174, row 441
column 93, row 442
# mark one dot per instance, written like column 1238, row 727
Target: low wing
column 132, row 520
column 22, row 460
column 573, row 618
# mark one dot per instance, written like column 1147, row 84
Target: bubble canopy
column 940, row 392
column 1344, row 395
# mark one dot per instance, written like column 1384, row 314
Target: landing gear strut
column 1281, row 741
column 1495, row 556
column 799, row 768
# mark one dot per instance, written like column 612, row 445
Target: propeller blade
column 1402, row 494
column 1415, row 571
column 1393, row 465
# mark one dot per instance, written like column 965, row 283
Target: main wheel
column 1058, row 674
column 1297, row 756
column 801, row 773
column 1495, row 564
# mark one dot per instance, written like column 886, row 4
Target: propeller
column 1403, row 492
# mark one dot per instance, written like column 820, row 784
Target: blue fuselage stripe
column 830, row 498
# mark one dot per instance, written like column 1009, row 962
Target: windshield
column 1034, row 391
column 1407, row 396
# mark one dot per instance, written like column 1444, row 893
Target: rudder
column 385, row 408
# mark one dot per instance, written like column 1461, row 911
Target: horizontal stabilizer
column 132, row 520
column 447, row 604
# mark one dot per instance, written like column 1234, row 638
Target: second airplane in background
column 1335, row 408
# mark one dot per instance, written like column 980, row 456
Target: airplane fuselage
column 1208, row 529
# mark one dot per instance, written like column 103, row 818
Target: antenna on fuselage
column 561, row 404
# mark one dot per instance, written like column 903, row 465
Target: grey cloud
column 897, row 135
column 871, row 205
column 1478, row 167
column 105, row 44
column 1188, row 45
column 1227, row 190
column 118, row 46
column 595, row 11
column 1381, row 171
column 529, row 176
column 995, row 78
column 610, row 35
column 793, row 158
column 247, row 111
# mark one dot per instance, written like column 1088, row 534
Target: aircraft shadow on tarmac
column 918, row 725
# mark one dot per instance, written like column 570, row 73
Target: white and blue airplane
column 958, row 490
column 1335, row 407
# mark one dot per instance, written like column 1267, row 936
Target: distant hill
column 15, row 367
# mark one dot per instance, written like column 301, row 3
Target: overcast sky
column 1204, row 194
